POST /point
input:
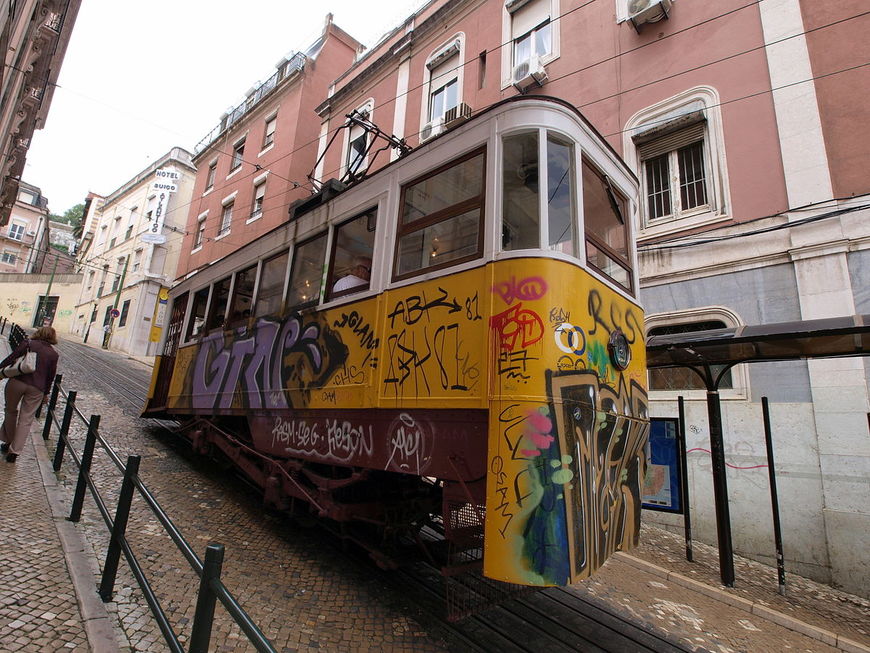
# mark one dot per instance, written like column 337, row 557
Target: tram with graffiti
column 452, row 342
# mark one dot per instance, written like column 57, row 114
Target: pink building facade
column 743, row 122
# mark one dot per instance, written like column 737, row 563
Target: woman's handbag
column 24, row 365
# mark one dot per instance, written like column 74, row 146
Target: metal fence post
column 119, row 529
column 85, row 469
column 205, row 601
column 64, row 429
column 49, row 414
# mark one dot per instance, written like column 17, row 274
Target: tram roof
column 825, row 338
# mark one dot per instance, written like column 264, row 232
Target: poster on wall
column 662, row 485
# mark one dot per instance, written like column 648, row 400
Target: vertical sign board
column 165, row 183
column 159, row 314
column 662, row 484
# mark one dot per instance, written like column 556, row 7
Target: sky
column 141, row 78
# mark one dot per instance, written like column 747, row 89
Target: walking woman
column 26, row 392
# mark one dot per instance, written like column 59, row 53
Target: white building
column 129, row 252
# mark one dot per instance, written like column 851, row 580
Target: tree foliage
column 72, row 216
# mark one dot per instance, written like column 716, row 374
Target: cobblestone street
column 296, row 583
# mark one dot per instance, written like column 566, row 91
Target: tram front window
column 521, row 209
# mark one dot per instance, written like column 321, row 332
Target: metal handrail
column 211, row 586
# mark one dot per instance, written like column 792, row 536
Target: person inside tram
column 358, row 275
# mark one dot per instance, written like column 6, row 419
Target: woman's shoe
column 4, row 447
column 11, row 457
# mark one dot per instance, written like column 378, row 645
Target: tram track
column 555, row 619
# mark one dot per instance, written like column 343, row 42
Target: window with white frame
column 238, row 155
column 444, row 67
column 199, row 236
column 358, row 141
column 101, row 238
column 259, row 196
column 673, row 381
column 131, row 223
column 269, row 133
column 531, row 27
column 678, row 149
column 137, row 260
column 91, row 276
column 226, row 219
column 8, row 257
column 16, row 230
column 212, row 172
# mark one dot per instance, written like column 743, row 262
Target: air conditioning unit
column 432, row 129
column 647, row 11
column 459, row 113
column 527, row 73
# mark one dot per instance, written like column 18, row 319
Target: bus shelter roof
column 825, row 338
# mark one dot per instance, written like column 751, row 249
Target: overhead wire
column 388, row 101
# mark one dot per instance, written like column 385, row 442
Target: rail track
column 556, row 619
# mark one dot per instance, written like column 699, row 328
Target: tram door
column 170, row 348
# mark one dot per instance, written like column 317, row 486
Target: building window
column 125, row 309
column 8, row 257
column 532, row 29
column 307, row 272
column 199, row 236
column 269, row 134
column 674, row 174
column 350, row 266
column 91, row 275
column 444, row 91
column 238, row 155
column 16, row 231
column 104, row 230
column 259, row 195
column 27, row 197
column 679, row 153
column 270, row 292
column 137, row 260
column 209, row 180
column 673, row 381
column 441, row 217
column 604, row 216
column 226, row 219
column 356, row 151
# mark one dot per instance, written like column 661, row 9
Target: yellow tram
column 452, row 341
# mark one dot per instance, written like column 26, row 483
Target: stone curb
column 752, row 607
column 95, row 618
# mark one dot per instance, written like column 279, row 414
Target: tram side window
column 560, row 195
column 197, row 313
column 605, row 212
column 307, row 272
column 243, row 296
column 271, row 290
column 350, row 267
column 441, row 216
column 218, row 310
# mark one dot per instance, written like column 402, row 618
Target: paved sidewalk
column 48, row 598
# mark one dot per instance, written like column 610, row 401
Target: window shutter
column 671, row 141
column 446, row 70
column 527, row 17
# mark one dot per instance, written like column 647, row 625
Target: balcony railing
column 295, row 64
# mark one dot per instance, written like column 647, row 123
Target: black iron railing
column 211, row 588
